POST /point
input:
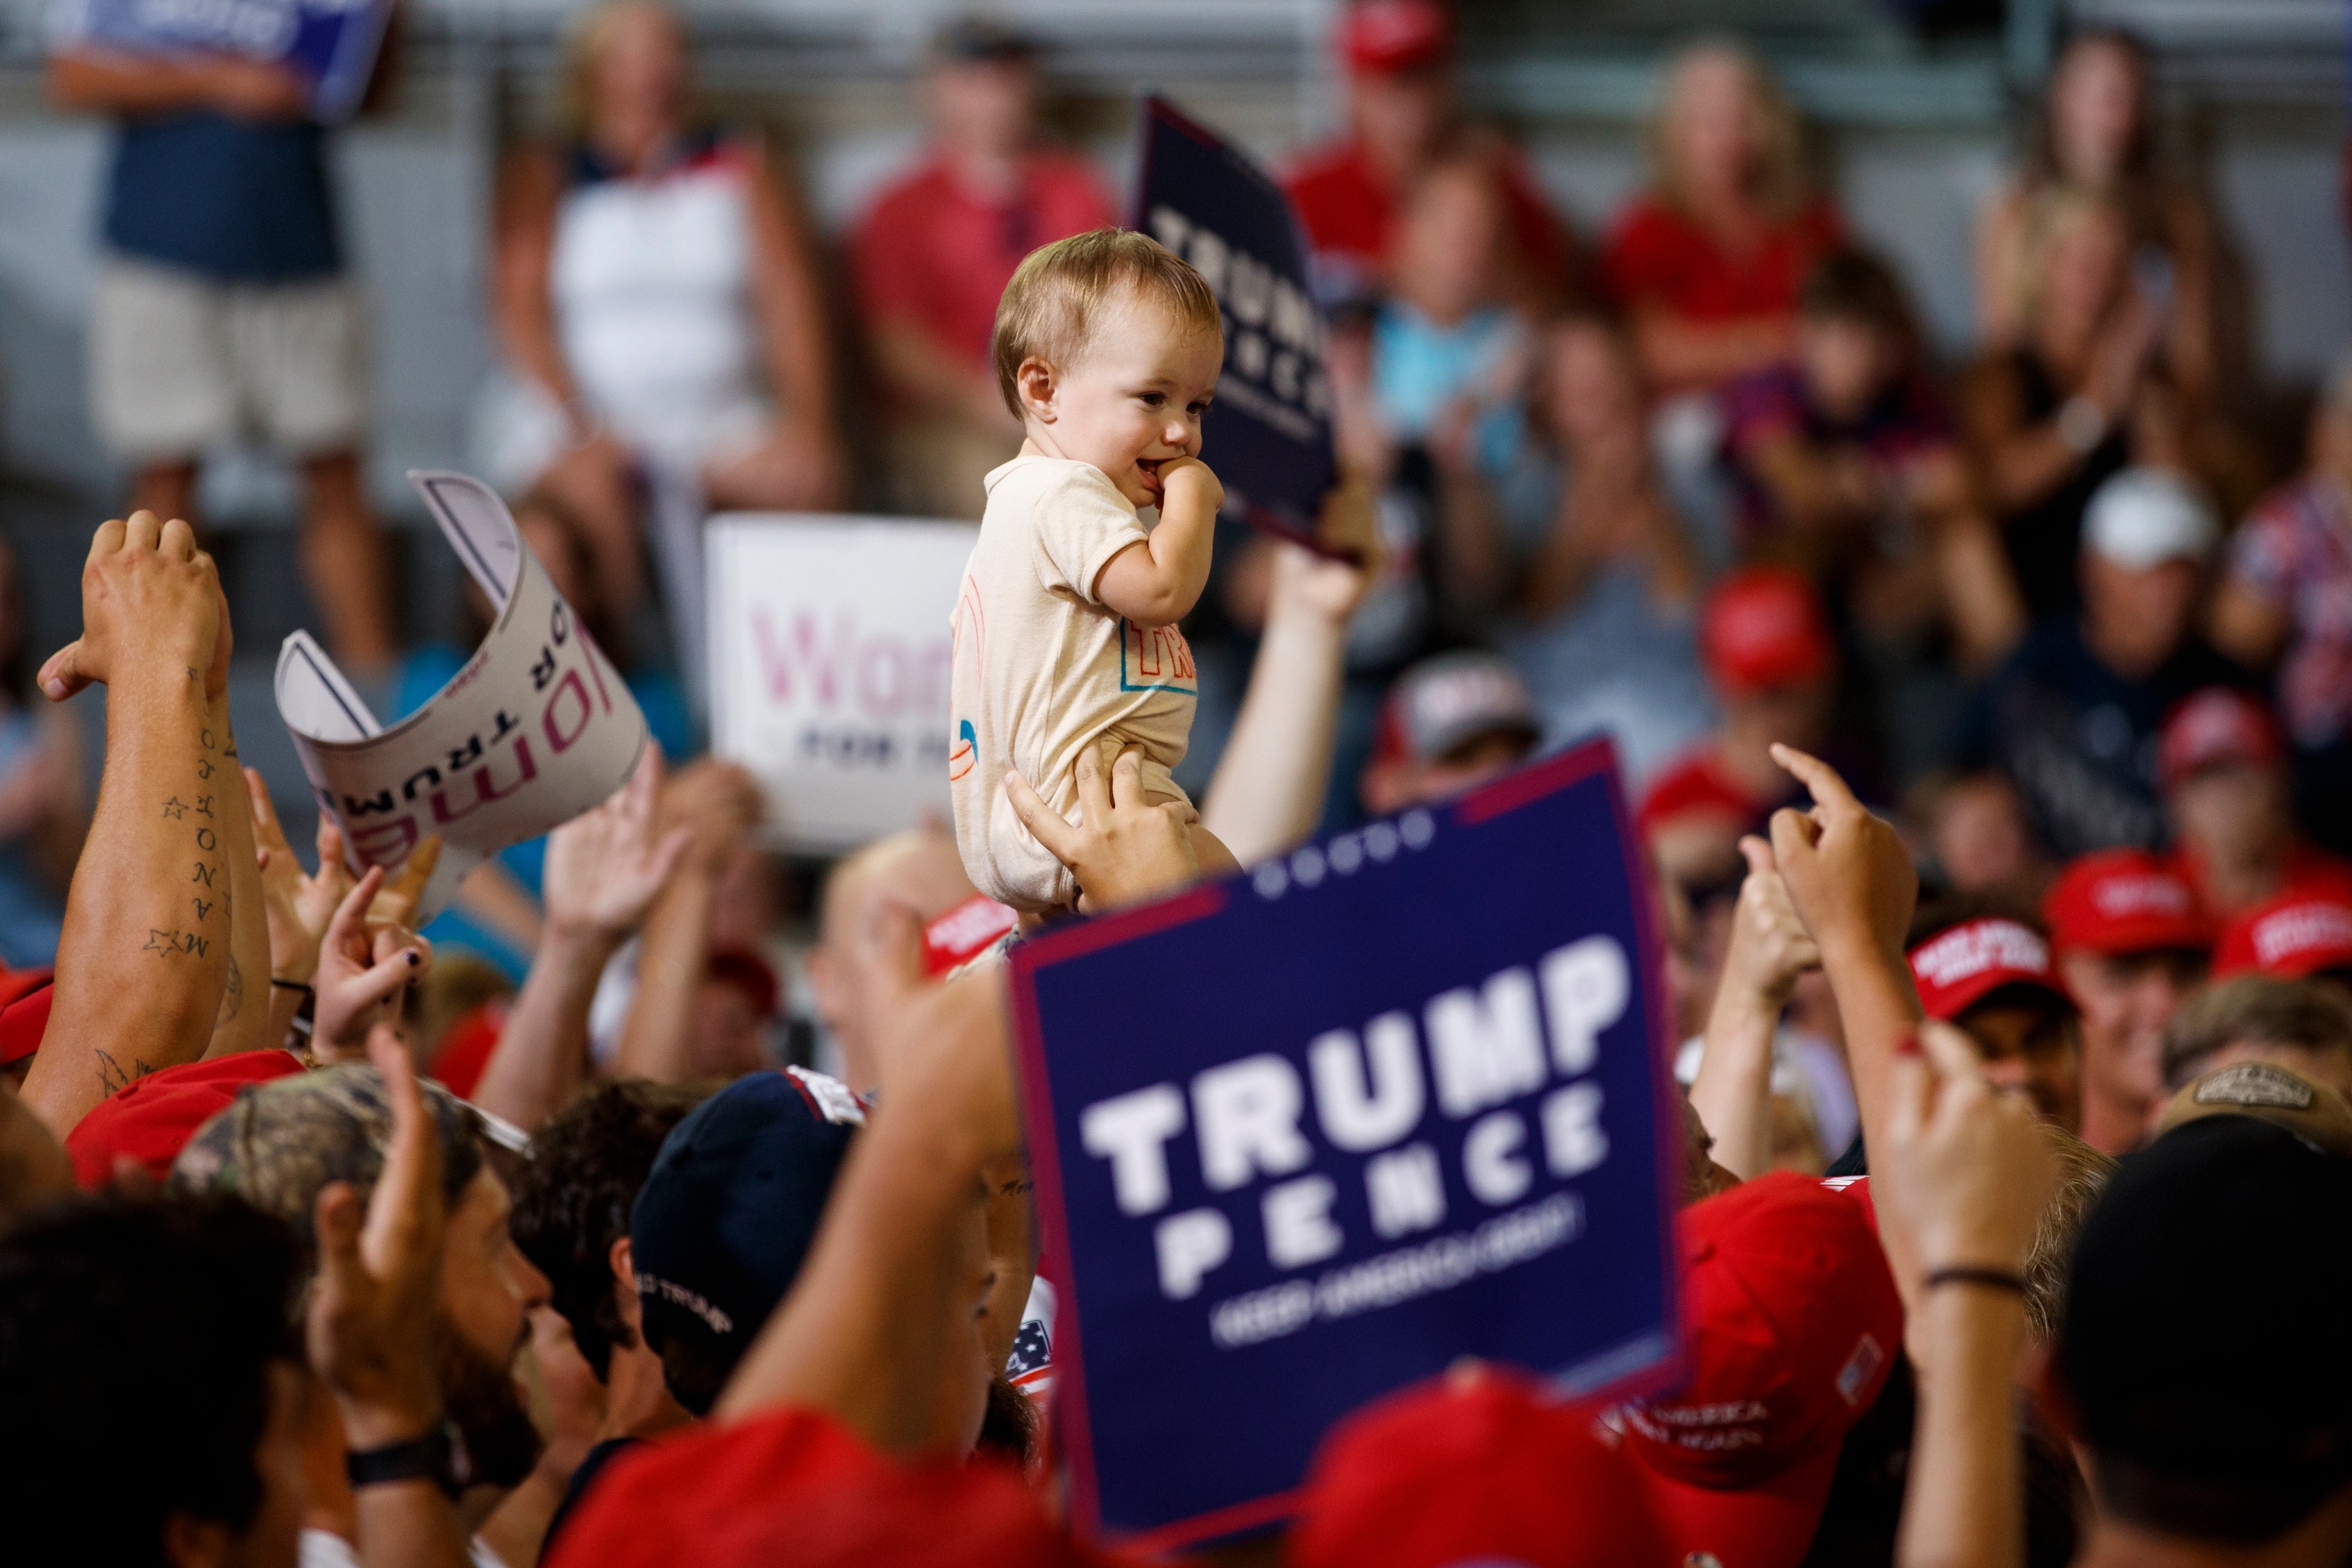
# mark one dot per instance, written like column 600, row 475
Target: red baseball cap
column 2217, row 727
column 1471, row 1468
column 2123, row 900
column 2293, row 935
column 1791, row 1321
column 1382, row 35
column 26, row 1017
column 151, row 1118
column 1763, row 627
column 795, row 1486
column 1957, row 968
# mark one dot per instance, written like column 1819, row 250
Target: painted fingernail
column 1908, row 1045
column 413, row 959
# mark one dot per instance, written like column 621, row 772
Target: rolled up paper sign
column 538, row 726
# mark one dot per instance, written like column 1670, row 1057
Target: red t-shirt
column 929, row 251
column 1350, row 214
column 1658, row 257
column 797, row 1487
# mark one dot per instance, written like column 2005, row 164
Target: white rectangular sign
column 829, row 657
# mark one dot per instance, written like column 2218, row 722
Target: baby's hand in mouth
column 1150, row 468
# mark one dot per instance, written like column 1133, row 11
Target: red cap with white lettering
column 1958, row 968
column 2295, row 935
column 1791, row 1322
column 2123, row 901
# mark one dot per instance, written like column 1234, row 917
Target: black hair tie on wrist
column 292, row 986
column 1993, row 1278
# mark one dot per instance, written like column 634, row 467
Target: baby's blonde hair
column 1050, row 307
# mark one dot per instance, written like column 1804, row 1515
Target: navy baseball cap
column 727, row 1214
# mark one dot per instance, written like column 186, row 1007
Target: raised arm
column 714, row 804
column 1769, row 949
column 243, row 1022
column 604, row 868
column 1853, row 886
column 1963, row 1175
column 870, row 1330
column 145, row 954
column 1268, row 791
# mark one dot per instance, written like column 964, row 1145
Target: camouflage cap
column 2312, row 1111
column 284, row 1141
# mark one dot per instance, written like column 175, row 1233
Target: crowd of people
column 1987, row 726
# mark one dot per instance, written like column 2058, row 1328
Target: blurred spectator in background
column 44, row 802
column 2072, row 717
column 2094, row 131
column 2131, row 946
column 1849, row 470
column 222, row 310
column 937, row 249
column 1990, row 976
column 2071, row 403
column 1450, row 723
column 1449, row 347
column 656, row 299
column 1709, row 262
column 2303, row 1028
column 2286, row 600
column 496, row 911
column 1403, row 117
column 2228, row 797
column 1978, row 835
column 1585, row 552
column 1774, row 668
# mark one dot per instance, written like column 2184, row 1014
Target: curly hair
column 571, row 1201
column 136, row 1339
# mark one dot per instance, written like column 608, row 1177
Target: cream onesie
column 1042, row 669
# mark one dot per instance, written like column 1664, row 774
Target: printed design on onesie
column 965, row 755
column 1155, row 659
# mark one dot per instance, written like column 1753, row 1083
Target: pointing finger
column 1829, row 789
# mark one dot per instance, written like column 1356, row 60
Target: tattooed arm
column 243, row 1022
column 143, row 960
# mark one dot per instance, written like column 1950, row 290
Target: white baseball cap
column 2144, row 517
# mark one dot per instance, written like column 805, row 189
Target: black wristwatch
column 429, row 1457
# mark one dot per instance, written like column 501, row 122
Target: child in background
column 1107, row 347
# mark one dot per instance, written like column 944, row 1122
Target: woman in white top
column 658, row 304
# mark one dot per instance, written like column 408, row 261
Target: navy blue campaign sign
column 1307, row 1136
column 331, row 43
column 1268, row 433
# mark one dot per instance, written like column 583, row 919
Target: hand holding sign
column 1298, row 1144
column 537, row 729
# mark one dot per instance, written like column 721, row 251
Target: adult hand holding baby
column 1123, row 849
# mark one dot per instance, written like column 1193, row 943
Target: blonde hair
column 2083, row 1173
column 584, row 43
column 2053, row 213
column 1780, row 181
column 1049, row 309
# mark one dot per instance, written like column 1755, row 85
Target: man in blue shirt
column 221, row 308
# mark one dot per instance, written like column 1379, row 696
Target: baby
column 1106, row 350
